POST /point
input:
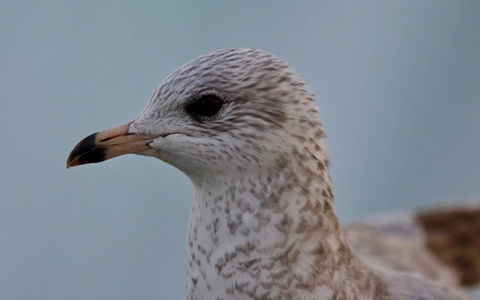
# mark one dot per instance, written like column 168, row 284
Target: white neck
column 273, row 234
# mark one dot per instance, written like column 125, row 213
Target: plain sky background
column 398, row 84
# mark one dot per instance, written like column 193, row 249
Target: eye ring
column 206, row 106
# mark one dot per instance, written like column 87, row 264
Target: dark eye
column 205, row 106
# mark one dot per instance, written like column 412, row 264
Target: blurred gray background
column 398, row 84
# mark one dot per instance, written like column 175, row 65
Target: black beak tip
column 86, row 151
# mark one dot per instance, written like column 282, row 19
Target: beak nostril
column 108, row 138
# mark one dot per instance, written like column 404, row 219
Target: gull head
column 229, row 111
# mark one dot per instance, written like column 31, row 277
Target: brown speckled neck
column 273, row 235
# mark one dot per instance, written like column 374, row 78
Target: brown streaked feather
column 396, row 243
column 453, row 235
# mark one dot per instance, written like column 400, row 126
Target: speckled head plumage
column 263, row 103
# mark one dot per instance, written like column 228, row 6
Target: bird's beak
column 108, row 144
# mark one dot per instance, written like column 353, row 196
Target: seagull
column 247, row 132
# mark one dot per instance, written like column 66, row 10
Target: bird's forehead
column 227, row 69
